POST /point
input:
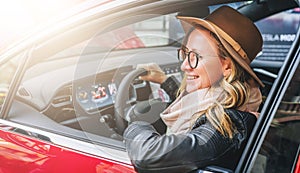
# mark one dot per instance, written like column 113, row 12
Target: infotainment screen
column 93, row 93
column 97, row 95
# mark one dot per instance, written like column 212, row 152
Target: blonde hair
column 236, row 94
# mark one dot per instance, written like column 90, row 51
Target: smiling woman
column 210, row 120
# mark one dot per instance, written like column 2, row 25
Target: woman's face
column 210, row 66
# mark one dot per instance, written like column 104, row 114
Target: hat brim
column 193, row 21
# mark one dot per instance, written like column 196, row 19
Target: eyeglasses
column 193, row 57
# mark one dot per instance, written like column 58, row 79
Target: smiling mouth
column 192, row 77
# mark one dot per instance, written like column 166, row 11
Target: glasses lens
column 181, row 55
column 193, row 59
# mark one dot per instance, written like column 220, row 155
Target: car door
column 26, row 148
column 48, row 124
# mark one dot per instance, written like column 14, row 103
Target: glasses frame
column 188, row 55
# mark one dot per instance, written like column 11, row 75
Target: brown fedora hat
column 237, row 33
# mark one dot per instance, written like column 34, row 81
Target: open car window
column 281, row 145
column 73, row 93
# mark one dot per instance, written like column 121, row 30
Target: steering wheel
column 148, row 110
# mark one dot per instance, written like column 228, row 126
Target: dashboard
column 78, row 92
column 96, row 92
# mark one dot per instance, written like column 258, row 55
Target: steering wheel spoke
column 126, row 110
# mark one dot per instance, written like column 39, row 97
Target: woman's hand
column 155, row 73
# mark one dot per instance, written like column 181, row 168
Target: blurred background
column 19, row 17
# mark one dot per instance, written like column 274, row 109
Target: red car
column 60, row 88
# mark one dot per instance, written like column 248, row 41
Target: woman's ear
column 226, row 66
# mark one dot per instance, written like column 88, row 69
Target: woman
column 210, row 120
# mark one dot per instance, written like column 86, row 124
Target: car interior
column 78, row 89
column 87, row 85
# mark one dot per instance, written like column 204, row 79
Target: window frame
column 50, row 45
column 15, row 82
column 270, row 107
column 267, row 112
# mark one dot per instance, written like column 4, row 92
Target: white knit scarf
column 179, row 115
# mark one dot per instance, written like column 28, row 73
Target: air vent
column 23, row 92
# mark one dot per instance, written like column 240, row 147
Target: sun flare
column 18, row 17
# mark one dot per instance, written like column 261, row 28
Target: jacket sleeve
column 151, row 152
column 171, row 86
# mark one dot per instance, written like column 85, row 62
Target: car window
column 278, row 32
column 280, row 149
column 157, row 31
column 76, row 89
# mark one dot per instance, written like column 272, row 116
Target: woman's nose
column 185, row 65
